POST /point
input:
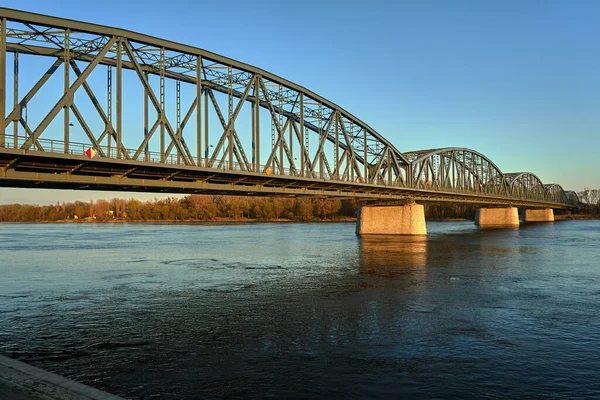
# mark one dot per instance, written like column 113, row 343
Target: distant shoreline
column 179, row 221
column 578, row 217
column 582, row 217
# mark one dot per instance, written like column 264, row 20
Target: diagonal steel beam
column 339, row 162
column 275, row 148
column 304, row 149
column 179, row 133
column 15, row 114
column 29, row 133
column 109, row 128
column 288, row 153
column 68, row 96
column 233, row 118
column 42, row 51
column 217, row 108
column 146, row 139
column 142, row 77
column 87, row 130
column 322, row 136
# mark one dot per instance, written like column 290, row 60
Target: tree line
column 188, row 208
column 206, row 208
column 590, row 201
column 235, row 208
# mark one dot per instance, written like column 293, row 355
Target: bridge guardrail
column 79, row 149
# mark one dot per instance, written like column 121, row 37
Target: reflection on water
column 306, row 310
column 389, row 255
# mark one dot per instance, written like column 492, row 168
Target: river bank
column 226, row 220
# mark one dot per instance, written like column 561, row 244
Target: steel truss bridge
column 166, row 117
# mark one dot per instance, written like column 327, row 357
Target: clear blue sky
column 516, row 80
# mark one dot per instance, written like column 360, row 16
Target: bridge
column 139, row 113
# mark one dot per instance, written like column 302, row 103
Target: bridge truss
column 163, row 116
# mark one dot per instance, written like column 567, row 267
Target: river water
column 306, row 310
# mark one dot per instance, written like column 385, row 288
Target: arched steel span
column 310, row 146
column 572, row 198
column 466, row 170
column 356, row 151
column 555, row 193
column 456, row 169
column 525, row 185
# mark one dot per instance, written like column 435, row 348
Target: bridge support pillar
column 391, row 220
column 497, row 217
column 546, row 215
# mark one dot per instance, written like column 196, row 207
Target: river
column 292, row 310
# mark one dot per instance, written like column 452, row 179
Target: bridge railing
column 79, row 149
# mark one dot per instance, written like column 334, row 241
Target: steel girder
column 343, row 147
column 525, row 185
column 466, row 170
column 221, row 125
column 456, row 169
column 555, row 193
column 572, row 198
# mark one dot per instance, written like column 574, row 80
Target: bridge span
column 93, row 107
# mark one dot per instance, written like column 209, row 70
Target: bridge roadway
column 33, row 169
column 226, row 128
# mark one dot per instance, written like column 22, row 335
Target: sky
column 518, row 81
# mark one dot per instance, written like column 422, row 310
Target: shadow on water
column 392, row 256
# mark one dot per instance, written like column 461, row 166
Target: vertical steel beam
column 351, row 157
column 257, row 122
column 321, row 133
column 178, row 128
column 253, row 123
column 281, row 159
column 336, row 166
column 281, row 132
column 206, row 144
column 365, row 160
column 109, row 111
column 67, row 73
column 162, row 105
column 199, row 110
column 146, row 133
column 302, row 133
column 119, row 97
column 230, row 123
column 2, row 80
column 16, row 98
column 291, row 160
column 389, row 167
column 464, row 171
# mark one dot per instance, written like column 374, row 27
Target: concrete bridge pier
column 406, row 219
column 497, row 217
column 545, row 215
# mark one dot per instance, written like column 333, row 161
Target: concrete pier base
column 391, row 220
column 497, row 217
column 546, row 215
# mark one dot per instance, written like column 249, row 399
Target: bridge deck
column 35, row 169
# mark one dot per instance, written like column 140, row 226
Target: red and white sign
column 91, row 153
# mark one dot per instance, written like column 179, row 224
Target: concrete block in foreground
column 22, row 381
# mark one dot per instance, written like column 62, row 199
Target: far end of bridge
column 409, row 219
